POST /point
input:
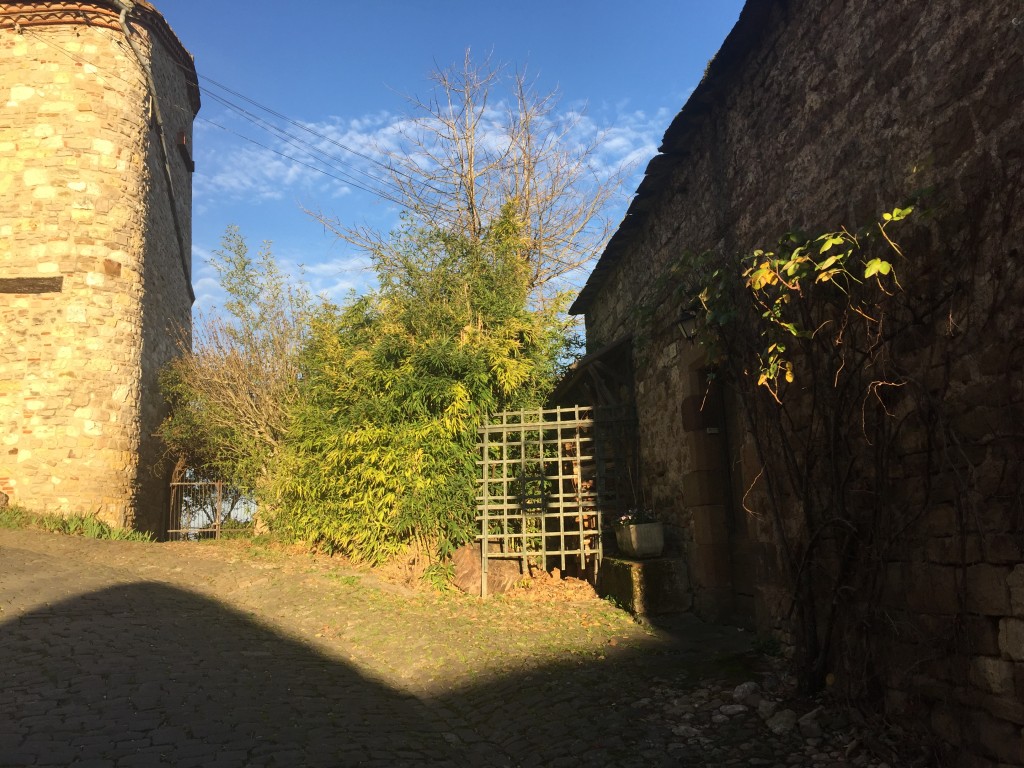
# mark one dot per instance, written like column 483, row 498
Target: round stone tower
column 97, row 99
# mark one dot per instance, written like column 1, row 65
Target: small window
column 31, row 284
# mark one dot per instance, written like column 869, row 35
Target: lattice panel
column 539, row 488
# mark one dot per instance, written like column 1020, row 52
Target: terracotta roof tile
column 102, row 13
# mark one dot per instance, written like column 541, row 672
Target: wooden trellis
column 541, row 486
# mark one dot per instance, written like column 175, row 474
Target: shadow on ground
column 146, row 674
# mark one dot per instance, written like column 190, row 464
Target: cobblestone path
column 116, row 654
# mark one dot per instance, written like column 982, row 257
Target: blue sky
column 344, row 68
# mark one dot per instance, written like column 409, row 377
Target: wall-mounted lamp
column 687, row 324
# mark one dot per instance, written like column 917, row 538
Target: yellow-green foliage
column 232, row 389
column 381, row 451
column 805, row 287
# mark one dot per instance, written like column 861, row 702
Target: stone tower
column 97, row 99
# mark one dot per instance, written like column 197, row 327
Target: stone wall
column 85, row 204
column 812, row 116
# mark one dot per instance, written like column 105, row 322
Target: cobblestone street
column 124, row 654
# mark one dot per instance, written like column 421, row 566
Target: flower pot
column 640, row 540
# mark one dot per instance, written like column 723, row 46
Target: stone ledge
column 646, row 587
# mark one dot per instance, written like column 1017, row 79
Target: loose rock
column 501, row 574
column 744, row 690
column 782, row 722
column 732, row 709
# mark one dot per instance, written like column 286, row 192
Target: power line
column 303, row 126
column 331, row 161
column 337, row 168
column 311, row 149
column 295, row 160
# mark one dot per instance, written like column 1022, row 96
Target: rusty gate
column 202, row 508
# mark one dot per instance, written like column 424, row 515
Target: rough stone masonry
column 98, row 99
column 816, row 114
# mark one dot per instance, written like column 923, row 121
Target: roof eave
column 705, row 96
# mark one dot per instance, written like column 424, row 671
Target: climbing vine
column 781, row 282
column 804, row 333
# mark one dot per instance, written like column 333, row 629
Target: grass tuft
column 89, row 526
column 13, row 517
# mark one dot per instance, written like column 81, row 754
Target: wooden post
column 216, row 511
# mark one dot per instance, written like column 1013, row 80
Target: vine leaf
column 877, row 266
column 782, row 286
column 898, row 214
column 830, row 240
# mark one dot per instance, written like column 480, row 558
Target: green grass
column 88, row 526
column 344, row 580
column 14, row 517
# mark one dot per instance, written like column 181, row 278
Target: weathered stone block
column 710, row 564
column 705, row 451
column 955, row 550
column 993, row 675
column 1011, row 639
column 704, row 487
column 987, row 590
column 646, row 587
column 1003, row 548
column 982, row 634
column 709, row 525
column 930, row 588
column 1015, row 583
column 994, row 738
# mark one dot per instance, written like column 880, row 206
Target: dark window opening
column 31, row 284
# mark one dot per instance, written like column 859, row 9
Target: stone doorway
column 721, row 555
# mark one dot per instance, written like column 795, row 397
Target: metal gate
column 543, row 485
column 206, row 509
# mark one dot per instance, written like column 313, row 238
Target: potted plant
column 639, row 533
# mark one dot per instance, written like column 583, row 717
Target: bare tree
column 463, row 153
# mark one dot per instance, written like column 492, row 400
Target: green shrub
column 382, row 447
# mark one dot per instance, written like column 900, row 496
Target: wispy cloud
column 332, row 279
column 342, row 156
column 349, row 152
